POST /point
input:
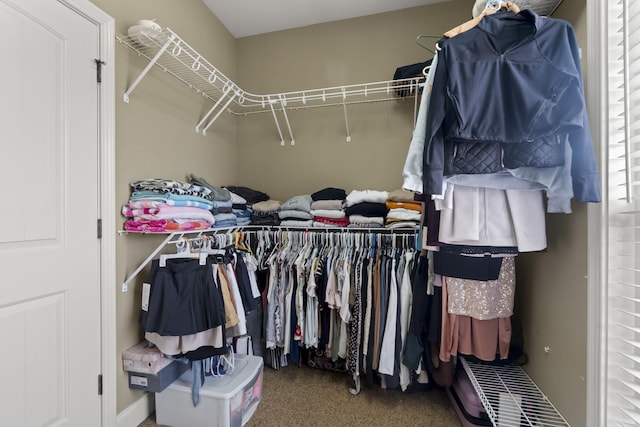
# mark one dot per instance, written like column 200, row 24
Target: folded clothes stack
column 327, row 207
column 366, row 208
column 222, row 204
column 165, row 205
column 296, row 212
column 266, row 212
column 404, row 212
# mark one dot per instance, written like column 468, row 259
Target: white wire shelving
column 166, row 50
column 510, row 397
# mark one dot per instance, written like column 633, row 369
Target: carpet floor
column 304, row 396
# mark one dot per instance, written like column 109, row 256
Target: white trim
column 108, row 209
column 106, row 134
column 137, row 412
column 596, row 90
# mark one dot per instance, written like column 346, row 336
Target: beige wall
column 367, row 49
column 551, row 285
column 552, row 291
column 156, row 138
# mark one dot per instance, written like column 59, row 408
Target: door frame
column 596, row 93
column 107, row 208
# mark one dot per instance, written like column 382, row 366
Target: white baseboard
column 137, row 412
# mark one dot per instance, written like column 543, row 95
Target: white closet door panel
column 32, row 135
column 36, row 355
column 49, row 250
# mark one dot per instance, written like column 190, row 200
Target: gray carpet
column 303, row 396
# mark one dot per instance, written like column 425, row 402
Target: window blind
column 623, row 216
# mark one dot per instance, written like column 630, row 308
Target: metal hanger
column 494, row 4
column 420, row 36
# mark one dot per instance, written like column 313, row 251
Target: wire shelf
column 166, row 50
column 510, row 397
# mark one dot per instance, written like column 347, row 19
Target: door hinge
column 100, row 385
column 99, row 65
column 99, row 228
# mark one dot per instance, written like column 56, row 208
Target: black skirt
column 184, row 298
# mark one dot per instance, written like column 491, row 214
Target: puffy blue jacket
column 512, row 79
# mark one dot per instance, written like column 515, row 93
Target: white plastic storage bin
column 227, row 401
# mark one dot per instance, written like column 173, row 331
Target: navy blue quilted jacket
column 509, row 91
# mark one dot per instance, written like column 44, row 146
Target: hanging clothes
column 484, row 300
column 488, row 340
column 185, row 308
column 533, row 66
column 342, row 297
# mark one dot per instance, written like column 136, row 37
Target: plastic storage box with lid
column 227, row 401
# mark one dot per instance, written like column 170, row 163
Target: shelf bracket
column 224, row 107
column 283, row 102
column 125, row 284
column 275, row 118
column 148, row 67
column 218, row 102
column 346, row 118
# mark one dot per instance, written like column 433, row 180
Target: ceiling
column 250, row 17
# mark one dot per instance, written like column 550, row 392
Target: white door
column 49, row 250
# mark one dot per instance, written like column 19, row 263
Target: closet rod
column 386, row 231
column 177, row 236
column 245, row 228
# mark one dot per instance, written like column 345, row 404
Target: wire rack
column 510, row 397
column 166, row 50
